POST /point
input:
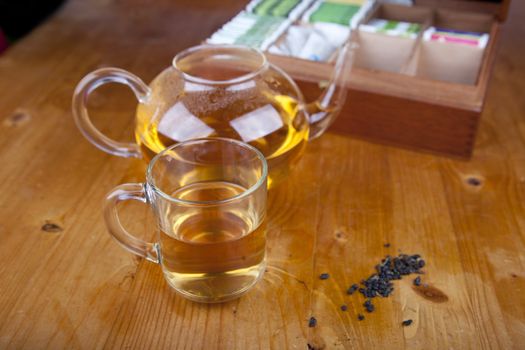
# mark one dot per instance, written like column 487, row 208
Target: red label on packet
column 451, row 36
column 454, row 39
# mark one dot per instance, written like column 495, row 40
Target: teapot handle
column 80, row 98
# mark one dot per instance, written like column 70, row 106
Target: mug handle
column 135, row 245
column 80, row 98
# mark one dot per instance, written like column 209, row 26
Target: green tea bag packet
column 290, row 9
column 394, row 28
column 328, row 12
column 341, row 12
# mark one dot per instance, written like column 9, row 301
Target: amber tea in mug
column 209, row 199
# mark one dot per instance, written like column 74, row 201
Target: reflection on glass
column 192, row 87
column 257, row 123
column 180, row 125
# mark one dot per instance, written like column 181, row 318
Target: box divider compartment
column 380, row 51
column 453, row 62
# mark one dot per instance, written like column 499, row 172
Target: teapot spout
column 323, row 111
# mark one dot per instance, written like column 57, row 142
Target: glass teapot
column 225, row 91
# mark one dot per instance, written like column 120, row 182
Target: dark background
column 18, row 17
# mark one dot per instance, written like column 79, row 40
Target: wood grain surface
column 64, row 283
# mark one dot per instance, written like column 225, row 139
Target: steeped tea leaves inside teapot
column 262, row 110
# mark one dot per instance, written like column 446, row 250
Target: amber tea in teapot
column 261, row 112
column 220, row 91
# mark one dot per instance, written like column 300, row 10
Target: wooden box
column 409, row 108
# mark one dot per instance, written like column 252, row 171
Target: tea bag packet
column 293, row 41
column 251, row 30
column 307, row 29
column 323, row 29
column 316, row 43
column 451, row 55
column 261, row 23
column 290, row 9
column 342, row 12
column 386, row 44
column 393, row 28
column 400, row 2
column 444, row 35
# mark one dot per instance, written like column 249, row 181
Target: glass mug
column 209, row 199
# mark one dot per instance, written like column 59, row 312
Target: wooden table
column 64, row 283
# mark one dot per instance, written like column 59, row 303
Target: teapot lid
column 220, row 64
